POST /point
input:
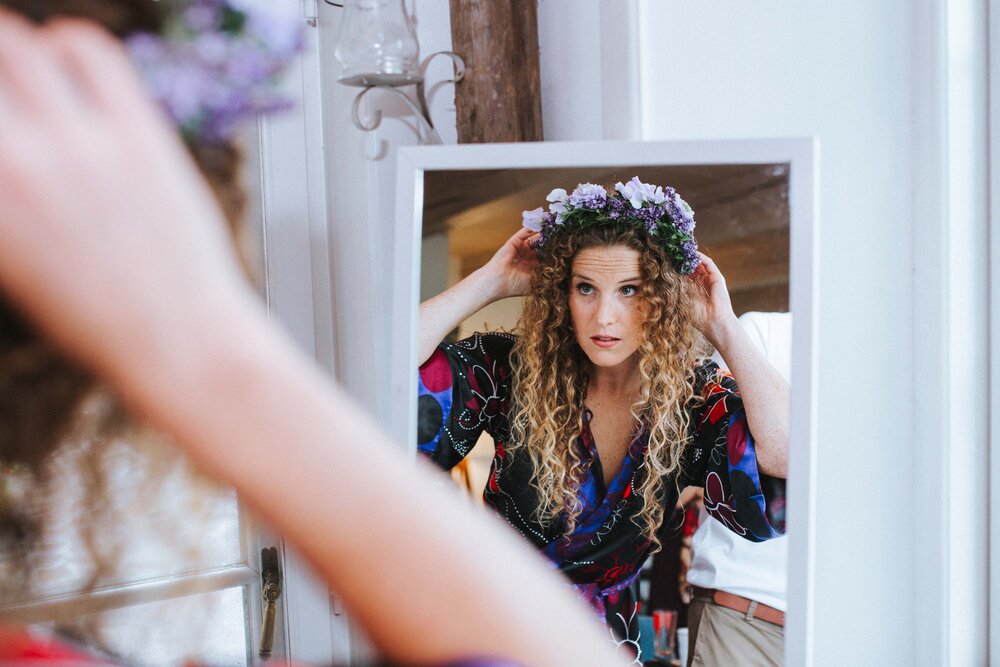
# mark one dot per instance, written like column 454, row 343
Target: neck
column 623, row 379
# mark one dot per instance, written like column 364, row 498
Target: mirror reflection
column 614, row 383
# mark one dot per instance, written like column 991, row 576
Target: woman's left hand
column 712, row 307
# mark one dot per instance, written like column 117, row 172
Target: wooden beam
column 500, row 98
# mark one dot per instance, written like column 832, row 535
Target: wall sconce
column 378, row 49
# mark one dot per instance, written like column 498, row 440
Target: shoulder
column 492, row 345
column 710, row 378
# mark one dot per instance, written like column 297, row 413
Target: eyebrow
column 636, row 279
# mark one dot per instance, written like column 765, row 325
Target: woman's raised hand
column 109, row 237
column 513, row 264
column 713, row 310
column 508, row 273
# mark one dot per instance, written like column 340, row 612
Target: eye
column 629, row 290
column 585, row 289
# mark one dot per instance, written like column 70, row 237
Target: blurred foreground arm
column 114, row 246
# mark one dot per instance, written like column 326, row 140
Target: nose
column 607, row 311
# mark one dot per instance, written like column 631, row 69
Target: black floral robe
column 464, row 388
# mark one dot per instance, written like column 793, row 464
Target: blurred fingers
column 101, row 67
column 31, row 77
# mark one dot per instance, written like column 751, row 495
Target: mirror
column 754, row 207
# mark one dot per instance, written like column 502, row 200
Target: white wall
column 876, row 83
column 890, row 89
column 361, row 183
column 839, row 73
column 360, row 188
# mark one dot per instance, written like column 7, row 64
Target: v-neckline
column 597, row 466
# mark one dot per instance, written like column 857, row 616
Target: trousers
column 721, row 637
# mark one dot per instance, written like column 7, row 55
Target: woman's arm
column 765, row 393
column 507, row 274
column 397, row 545
column 115, row 247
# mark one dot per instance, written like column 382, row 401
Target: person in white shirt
column 738, row 604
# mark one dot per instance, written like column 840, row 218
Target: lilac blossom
column 209, row 72
column 692, row 260
column 275, row 24
column 649, row 214
column 617, row 208
column 588, row 196
column 679, row 212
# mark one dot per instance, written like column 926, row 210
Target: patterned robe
column 464, row 389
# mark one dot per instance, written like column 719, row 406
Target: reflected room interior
column 743, row 221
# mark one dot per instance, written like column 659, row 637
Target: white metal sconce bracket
column 426, row 131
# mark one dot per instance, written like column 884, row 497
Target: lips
column 605, row 341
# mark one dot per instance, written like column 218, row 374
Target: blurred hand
column 514, row 263
column 109, row 237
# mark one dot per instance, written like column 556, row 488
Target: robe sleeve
column 722, row 458
column 463, row 389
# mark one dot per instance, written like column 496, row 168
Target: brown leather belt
column 742, row 605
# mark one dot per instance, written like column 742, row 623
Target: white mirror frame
column 801, row 156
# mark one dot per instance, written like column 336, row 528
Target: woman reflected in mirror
column 603, row 403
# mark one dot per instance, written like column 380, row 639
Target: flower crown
column 660, row 212
column 218, row 62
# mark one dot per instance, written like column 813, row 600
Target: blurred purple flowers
column 218, row 63
column 658, row 211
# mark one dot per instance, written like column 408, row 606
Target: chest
column 612, row 428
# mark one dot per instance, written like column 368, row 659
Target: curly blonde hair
column 551, row 376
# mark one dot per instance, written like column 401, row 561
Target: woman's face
column 605, row 303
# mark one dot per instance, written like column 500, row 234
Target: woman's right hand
column 508, row 273
column 110, row 239
column 513, row 264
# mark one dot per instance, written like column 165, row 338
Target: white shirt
column 720, row 558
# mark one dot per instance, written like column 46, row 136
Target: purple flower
column 200, row 17
column 679, row 212
column 657, row 211
column 533, row 220
column 559, row 205
column 588, row 196
column 649, row 214
column 208, row 76
column 617, row 208
column 689, row 249
column 638, row 193
column 276, row 24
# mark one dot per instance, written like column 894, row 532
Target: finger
column 522, row 234
column 524, row 238
column 30, row 73
column 700, row 271
column 710, row 267
column 100, row 66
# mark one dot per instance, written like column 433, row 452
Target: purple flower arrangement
column 218, row 62
column 659, row 211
